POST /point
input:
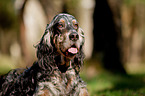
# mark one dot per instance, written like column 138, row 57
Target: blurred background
column 114, row 40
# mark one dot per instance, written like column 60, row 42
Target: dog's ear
column 78, row 60
column 46, row 38
column 49, row 32
column 45, row 45
column 82, row 37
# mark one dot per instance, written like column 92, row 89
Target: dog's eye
column 76, row 26
column 60, row 25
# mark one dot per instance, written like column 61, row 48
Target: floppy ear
column 45, row 47
column 46, row 38
column 78, row 60
column 82, row 37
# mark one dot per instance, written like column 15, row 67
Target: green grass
column 107, row 84
column 5, row 64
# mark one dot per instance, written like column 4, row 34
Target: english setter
column 56, row 72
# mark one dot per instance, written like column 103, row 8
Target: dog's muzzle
column 73, row 37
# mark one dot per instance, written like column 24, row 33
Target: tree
column 107, row 34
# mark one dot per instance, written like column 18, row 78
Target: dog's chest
column 60, row 84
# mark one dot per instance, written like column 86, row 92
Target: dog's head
column 65, row 35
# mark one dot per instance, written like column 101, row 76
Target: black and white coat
column 56, row 72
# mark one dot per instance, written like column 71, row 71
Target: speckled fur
column 48, row 76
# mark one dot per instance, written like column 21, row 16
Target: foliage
column 7, row 16
column 134, row 2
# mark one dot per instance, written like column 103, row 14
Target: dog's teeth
column 73, row 50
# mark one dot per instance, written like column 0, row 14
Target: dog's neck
column 53, row 59
column 63, row 63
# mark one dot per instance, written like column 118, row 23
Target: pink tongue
column 73, row 50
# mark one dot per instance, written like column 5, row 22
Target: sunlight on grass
column 133, row 68
column 98, row 84
column 6, row 64
column 104, row 83
column 107, row 84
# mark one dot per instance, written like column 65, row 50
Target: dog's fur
column 56, row 72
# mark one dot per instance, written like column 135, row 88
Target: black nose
column 74, row 36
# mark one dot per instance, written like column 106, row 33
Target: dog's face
column 65, row 34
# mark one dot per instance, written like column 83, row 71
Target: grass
column 5, row 64
column 107, row 84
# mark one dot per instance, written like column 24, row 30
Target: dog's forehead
column 66, row 17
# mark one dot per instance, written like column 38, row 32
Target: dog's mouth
column 71, row 51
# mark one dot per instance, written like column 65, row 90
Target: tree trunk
column 107, row 34
column 23, row 45
column 52, row 8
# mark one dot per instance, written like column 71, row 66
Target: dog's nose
column 74, row 36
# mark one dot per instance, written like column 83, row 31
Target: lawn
column 107, row 84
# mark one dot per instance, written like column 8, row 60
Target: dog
column 56, row 72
